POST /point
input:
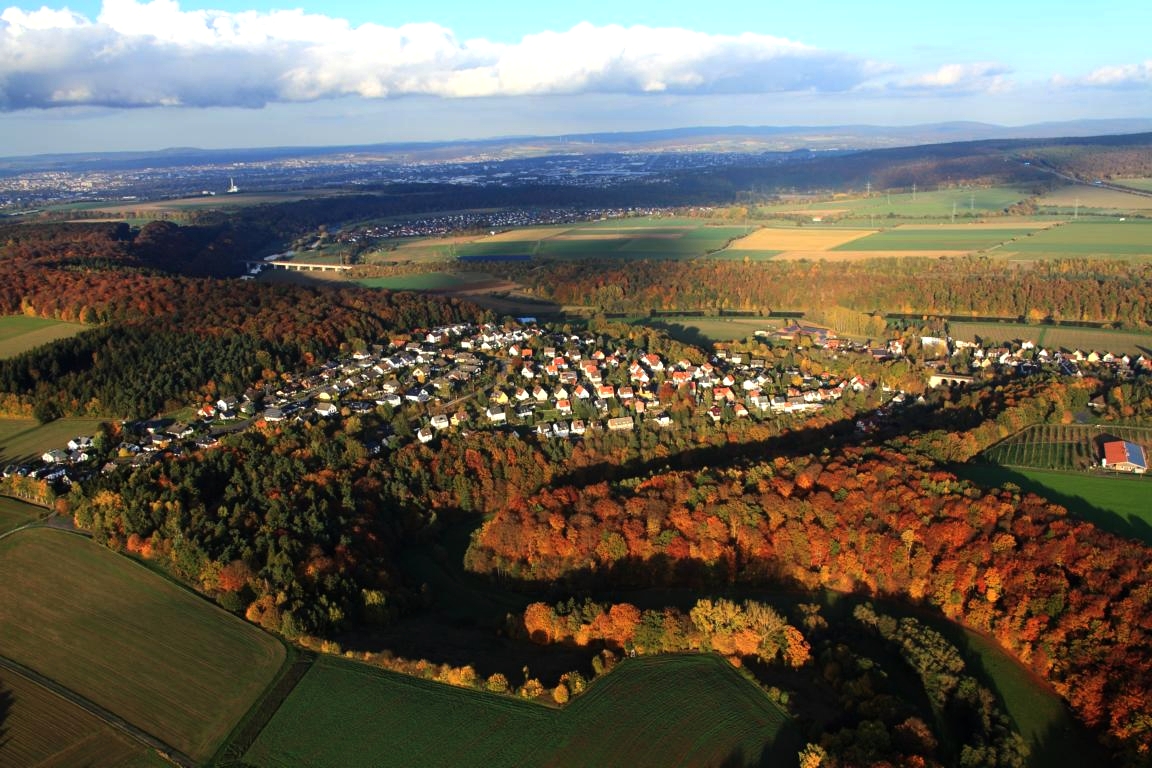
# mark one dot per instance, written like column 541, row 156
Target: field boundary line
column 165, row 750
column 254, row 722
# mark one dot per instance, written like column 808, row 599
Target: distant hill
column 692, row 139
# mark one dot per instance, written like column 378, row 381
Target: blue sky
column 144, row 74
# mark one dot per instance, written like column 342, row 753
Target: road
column 1045, row 168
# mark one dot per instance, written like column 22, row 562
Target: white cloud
column 1120, row 76
column 153, row 53
column 976, row 77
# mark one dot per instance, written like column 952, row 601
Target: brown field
column 797, row 239
column 1093, row 197
column 860, row 255
column 41, row 729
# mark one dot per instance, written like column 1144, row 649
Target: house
column 620, row 424
column 440, row 421
column 326, row 410
column 424, row 434
column 496, row 415
column 1123, row 456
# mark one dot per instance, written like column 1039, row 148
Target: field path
column 173, row 755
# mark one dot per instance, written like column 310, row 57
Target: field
column 1117, row 504
column 38, row 728
column 22, row 439
column 797, row 239
column 19, row 333
column 959, row 238
column 109, row 629
column 1056, row 337
column 657, row 711
column 427, row 281
column 942, row 204
column 153, row 208
column 1083, row 199
column 1087, row 239
column 1057, row 460
column 14, row 513
column 1136, row 183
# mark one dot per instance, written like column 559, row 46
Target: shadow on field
column 5, row 707
column 994, row 475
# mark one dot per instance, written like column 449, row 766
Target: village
column 538, row 381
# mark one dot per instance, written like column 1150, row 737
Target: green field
column 427, row 281
column 1039, row 714
column 20, row 333
column 656, row 711
column 942, row 239
column 109, row 629
column 14, row 513
column 38, row 728
column 1088, row 239
column 633, row 238
column 1136, row 183
column 938, row 204
column 1118, row 504
column 1055, row 337
column 23, row 439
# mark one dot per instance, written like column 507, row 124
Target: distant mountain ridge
column 688, row 139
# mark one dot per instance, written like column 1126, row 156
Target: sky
column 108, row 75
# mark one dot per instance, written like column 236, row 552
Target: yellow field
column 797, row 239
column 860, row 255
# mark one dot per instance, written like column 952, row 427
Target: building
column 1123, row 456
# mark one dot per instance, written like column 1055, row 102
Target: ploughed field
column 147, row 650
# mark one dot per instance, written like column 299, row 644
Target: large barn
column 1124, row 456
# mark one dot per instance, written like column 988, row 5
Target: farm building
column 1124, row 456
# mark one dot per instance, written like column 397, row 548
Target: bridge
column 296, row 266
column 951, row 379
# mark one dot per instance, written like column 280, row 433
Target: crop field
column 22, row 439
column 38, row 728
column 19, row 333
column 1056, row 337
column 634, row 238
column 656, row 711
column 14, row 513
column 797, row 239
column 937, row 203
column 109, row 629
column 1088, row 239
column 942, row 237
column 1085, row 199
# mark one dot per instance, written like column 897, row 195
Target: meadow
column 20, row 333
column 1055, row 337
column 41, row 729
column 1087, row 239
column 14, row 513
column 964, row 202
column 24, row 439
column 657, row 711
column 943, row 237
column 166, row 661
column 1136, row 183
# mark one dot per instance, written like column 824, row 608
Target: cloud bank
column 140, row 54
